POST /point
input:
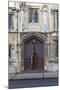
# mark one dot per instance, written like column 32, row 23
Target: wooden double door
column 34, row 54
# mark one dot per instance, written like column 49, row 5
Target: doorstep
column 33, row 75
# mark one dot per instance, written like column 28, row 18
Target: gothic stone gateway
column 34, row 55
column 33, row 27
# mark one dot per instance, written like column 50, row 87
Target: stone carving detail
column 23, row 16
column 45, row 19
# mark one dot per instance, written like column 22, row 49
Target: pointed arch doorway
column 33, row 54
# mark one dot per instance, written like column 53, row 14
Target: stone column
column 23, row 16
column 45, row 19
column 22, row 56
column 45, row 55
column 56, row 21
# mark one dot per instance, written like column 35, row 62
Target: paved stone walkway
column 33, row 75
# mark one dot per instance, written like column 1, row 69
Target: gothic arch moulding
column 27, row 36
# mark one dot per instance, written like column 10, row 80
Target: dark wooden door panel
column 27, row 64
column 40, row 63
column 35, row 61
column 27, row 55
column 33, row 55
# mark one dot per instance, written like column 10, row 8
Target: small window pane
column 33, row 15
column 10, row 22
column 10, row 51
column 36, row 16
column 55, row 20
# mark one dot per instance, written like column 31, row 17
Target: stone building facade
column 32, row 25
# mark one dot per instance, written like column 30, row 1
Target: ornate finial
column 22, row 6
column 45, row 8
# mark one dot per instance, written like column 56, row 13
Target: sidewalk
column 33, row 75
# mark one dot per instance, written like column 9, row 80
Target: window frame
column 10, row 22
column 10, row 48
column 55, row 24
column 29, row 17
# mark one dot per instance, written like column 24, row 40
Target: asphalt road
column 33, row 83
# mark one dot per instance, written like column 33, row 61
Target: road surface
column 33, row 83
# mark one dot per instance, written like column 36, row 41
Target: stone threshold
column 33, row 75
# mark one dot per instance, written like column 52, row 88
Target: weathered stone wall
column 45, row 24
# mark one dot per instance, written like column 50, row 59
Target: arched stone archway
column 37, row 60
